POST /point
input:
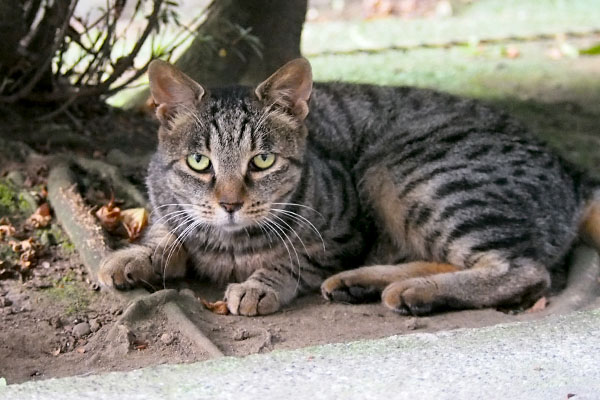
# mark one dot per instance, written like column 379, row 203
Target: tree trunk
column 229, row 57
column 12, row 29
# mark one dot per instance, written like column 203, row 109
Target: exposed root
column 72, row 213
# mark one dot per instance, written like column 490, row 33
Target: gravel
column 82, row 329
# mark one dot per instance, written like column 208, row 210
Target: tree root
column 178, row 318
column 74, row 216
column 171, row 301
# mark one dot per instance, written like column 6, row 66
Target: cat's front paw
column 127, row 268
column 251, row 298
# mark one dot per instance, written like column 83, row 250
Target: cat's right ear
column 171, row 88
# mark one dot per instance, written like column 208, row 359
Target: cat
column 281, row 189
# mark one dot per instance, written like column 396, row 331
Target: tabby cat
column 441, row 202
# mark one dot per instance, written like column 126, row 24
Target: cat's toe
column 124, row 269
column 411, row 297
column 336, row 289
column 251, row 298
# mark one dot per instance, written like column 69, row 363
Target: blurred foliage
column 66, row 53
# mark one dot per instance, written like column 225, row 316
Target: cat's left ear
column 171, row 88
column 289, row 87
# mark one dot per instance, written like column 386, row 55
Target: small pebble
column 94, row 325
column 167, row 338
column 82, row 329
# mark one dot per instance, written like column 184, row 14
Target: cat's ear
column 171, row 88
column 289, row 87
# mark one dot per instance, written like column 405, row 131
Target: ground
column 55, row 321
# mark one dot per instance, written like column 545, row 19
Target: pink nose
column 231, row 207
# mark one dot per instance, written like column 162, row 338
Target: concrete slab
column 546, row 359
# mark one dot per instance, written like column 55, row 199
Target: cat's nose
column 231, row 207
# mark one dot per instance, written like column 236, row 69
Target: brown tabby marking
column 590, row 225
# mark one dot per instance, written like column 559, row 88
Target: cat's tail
column 589, row 228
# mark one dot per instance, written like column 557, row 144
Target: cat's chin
column 232, row 227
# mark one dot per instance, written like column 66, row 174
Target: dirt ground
column 41, row 336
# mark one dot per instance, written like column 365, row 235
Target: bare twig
column 26, row 89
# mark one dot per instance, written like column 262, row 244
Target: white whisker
column 299, row 218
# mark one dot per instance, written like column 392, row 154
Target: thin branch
column 26, row 89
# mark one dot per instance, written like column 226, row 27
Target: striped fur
column 451, row 202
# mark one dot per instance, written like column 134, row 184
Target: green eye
column 198, row 162
column 263, row 161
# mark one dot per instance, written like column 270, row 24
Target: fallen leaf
column 27, row 258
column 218, row 307
column 20, row 246
column 80, row 350
column 40, row 218
column 109, row 216
column 134, row 220
column 6, row 228
column 140, row 345
column 539, row 305
column 55, row 352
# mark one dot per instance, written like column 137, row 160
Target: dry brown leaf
column 27, row 258
column 6, row 228
column 134, row 220
column 55, row 352
column 539, row 305
column 218, row 307
column 140, row 345
column 40, row 218
column 20, row 246
column 109, row 216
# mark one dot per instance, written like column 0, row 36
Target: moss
column 8, row 197
column 55, row 236
column 70, row 294
column 13, row 201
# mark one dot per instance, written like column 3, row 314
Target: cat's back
column 346, row 119
column 451, row 161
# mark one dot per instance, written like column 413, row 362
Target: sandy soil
column 40, row 337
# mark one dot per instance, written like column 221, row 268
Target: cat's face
column 230, row 156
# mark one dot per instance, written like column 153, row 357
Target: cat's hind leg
column 491, row 282
column 365, row 284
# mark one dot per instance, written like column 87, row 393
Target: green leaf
column 591, row 51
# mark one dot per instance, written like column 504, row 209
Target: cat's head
column 227, row 156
